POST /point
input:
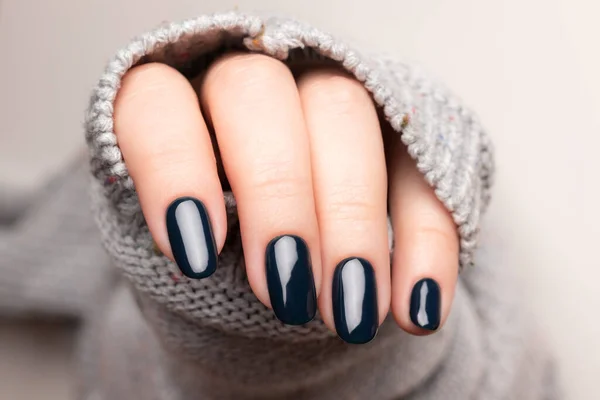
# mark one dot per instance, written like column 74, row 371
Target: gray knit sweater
column 150, row 333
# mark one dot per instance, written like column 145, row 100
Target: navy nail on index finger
column 191, row 238
column 290, row 280
column 355, row 310
column 426, row 304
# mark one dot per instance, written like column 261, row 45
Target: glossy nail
column 426, row 304
column 355, row 310
column 191, row 237
column 290, row 280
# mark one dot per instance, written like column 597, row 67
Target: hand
column 305, row 159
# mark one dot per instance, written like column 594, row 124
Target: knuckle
column 143, row 90
column 438, row 236
column 277, row 180
column 172, row 155
column 339, row 92
column 147, row 79
column 350, row 203
column 245, row 70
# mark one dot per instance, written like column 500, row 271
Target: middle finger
column 254, row 106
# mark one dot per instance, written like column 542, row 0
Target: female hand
column 305, row 159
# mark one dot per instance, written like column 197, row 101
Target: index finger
column 168, row 152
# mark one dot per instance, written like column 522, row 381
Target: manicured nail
column 355, row 310
column 290, row 280
column 191, row 238
column 426, row 304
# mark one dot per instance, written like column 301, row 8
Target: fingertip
column 424, row 309
column 423, row 284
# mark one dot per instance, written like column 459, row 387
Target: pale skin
column 304, row 154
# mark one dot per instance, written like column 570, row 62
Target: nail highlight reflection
column 425, row 304
column 355, row 309
column 191, row 238
column 286, row 257
column 290, row 280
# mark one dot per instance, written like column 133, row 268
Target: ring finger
column 351, row 200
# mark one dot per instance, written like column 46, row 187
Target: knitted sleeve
column 445, row 138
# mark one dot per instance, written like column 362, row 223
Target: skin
column 304, row 154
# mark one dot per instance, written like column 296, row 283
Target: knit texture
column 51, row 264
column 155, row 334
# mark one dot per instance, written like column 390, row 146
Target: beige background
column 528, row 67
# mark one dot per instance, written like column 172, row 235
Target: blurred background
column 529, row 67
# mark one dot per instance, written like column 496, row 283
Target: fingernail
column 426, row 304
column 191, row 237
column 355, row 310
column 290, row 280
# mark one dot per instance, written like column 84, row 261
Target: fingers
column 350, row 183
column 425, row 262
column 253, row 104
column 305, row 161
column 169, row 155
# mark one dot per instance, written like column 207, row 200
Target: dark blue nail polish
column 355, row 310
column 290, row 280
column 191, row 238
column 426, row 304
